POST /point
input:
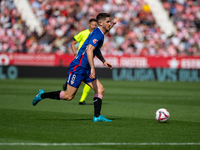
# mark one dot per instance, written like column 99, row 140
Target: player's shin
column 86, row 90
column 97, row 104
column 52, row 95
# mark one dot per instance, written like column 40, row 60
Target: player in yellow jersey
column 80, row 39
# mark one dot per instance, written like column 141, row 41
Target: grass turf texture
column 131, row 106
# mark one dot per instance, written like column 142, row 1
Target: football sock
column 53, row 95
column 86, row 90
column 65, row 86
column 97, row 104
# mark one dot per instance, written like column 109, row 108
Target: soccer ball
column 162, row 115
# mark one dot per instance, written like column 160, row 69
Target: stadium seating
column 24, row 8
column 137, row 34
column 161, row 17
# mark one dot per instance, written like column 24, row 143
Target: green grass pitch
column 131, row 106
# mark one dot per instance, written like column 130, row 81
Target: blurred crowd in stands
column 137, row 34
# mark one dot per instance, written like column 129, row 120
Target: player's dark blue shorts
column 77, row 74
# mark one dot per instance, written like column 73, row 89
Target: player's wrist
column 114, row 23
column 92, row 68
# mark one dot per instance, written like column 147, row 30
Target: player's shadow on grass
column 79, row 119
column 82, row 119
column 57, row 119
column 93, row 104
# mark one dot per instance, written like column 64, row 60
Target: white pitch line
column 149, row 97
column 92, row 144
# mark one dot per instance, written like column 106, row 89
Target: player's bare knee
column 101, row 90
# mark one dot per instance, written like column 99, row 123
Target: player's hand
column 92, row 73
column 115, row 20
column 107, row 64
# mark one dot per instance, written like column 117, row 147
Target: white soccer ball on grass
column 162, row 115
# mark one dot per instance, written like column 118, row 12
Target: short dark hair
column 102, row 16
column 92, row 19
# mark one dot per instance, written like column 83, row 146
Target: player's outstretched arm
column 115, row 20
column 73, row 43
column 100, row 56
column 107, row 64
column 90, row 57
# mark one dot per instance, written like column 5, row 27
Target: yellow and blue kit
column 81, row 37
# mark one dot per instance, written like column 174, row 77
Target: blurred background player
column 80, row 39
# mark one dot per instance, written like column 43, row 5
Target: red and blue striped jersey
column 96, row 39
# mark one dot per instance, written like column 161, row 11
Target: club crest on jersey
column 73, row 78
column 95, row 40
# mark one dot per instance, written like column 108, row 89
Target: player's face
column 106, row 24
column 93, row 25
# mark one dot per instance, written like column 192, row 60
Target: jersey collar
column 101, row 31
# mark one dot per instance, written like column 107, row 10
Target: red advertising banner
column 35, row 59
column 20, row 59
column 152, row 62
